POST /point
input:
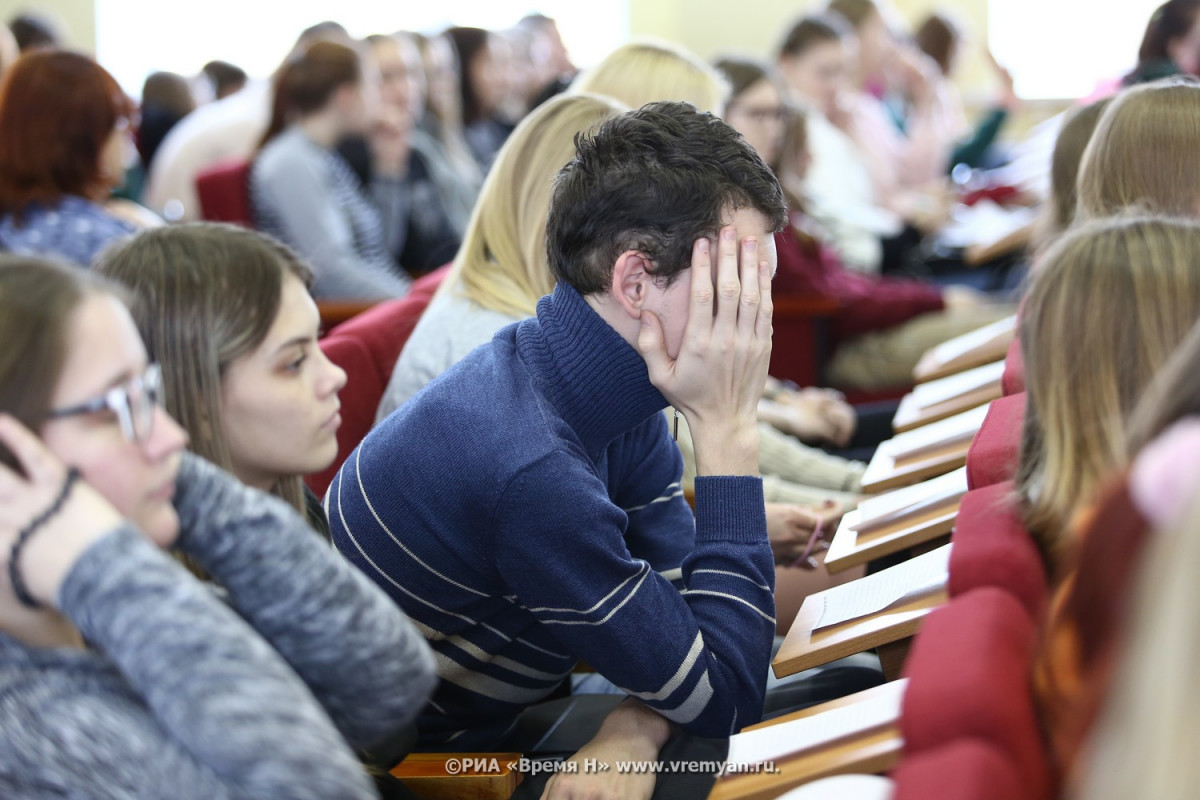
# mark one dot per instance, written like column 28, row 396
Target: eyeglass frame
column 120, row 401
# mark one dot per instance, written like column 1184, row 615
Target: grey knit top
column 180, row 695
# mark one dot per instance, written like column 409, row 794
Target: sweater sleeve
column 295, row 195
column 970, row 150
column 707, row 668
column 359, row 654
column 217, row 713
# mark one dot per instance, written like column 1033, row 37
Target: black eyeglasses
column 133, row 403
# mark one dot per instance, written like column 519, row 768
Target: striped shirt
column 309, row 198
column 524, row 509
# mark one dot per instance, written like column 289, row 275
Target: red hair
column 57, row 110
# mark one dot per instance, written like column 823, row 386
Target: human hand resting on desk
column 716, row 378
column 811, row 415
column 631, row 732
column 52, row 547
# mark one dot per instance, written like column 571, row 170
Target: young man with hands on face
column 525, row 509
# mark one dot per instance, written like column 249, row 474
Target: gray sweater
column 308, row 197
column 181, row 695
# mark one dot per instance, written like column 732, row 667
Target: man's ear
column 631, row 282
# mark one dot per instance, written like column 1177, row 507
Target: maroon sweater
column 866, row 303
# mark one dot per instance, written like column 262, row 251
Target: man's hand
column 717, row 378
column 631, row 732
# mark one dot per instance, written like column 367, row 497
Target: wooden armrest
column 449, row 776
column 335, row 312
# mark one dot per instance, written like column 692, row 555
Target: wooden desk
column 895, row 464
column 954, row 394
column 874, row 752
column 985, row 345
column 851, row 547
column 426, row 776
column 804, row 648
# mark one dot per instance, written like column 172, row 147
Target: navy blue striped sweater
column 525, row 511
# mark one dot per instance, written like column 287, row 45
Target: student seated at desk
column 1084, row 372
column 882, row 325
column 1091, row 610
column 227, row 314
column 525, row 507
column 122, row 674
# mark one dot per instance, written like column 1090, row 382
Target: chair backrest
column 1013, row 380
column 367, row 347
column 969, row 678
column 993, row 549
column 224, row 193
column 997, row 446
column 965, row 769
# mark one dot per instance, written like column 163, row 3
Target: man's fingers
column 748, row 278
column 765, row 308
column 729, row 287
column 652, row 345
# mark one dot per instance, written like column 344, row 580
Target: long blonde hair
column 1145, row 742
column 647, row 71
column 1111, row 301
column 502, row 263
column 1143, row 153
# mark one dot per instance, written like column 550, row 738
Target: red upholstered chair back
column 1013, row 380
column 367, row 347
column 993, row 549
column 995, row 449
column 965, row 769
column 224, row 192
column 969, row 679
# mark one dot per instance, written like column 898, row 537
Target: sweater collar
column 597, row 381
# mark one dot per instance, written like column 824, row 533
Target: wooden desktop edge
column 941, row 411
column 804, row 648
column 879, row 477
column 875, row 751
column 846, row 552
column 929, row 370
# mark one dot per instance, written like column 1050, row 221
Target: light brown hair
column 1065, row 161
column 203, row 295
column 37, row 300
column 1142, row 152
column 1110, row 303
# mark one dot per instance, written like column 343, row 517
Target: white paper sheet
column 877, row 592
column 942, row 390
column 776, row 742
column 911, row 500
column 936, row 435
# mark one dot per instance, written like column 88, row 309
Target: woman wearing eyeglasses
column 227, row 313
column 64, row 137
column 121, row 674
